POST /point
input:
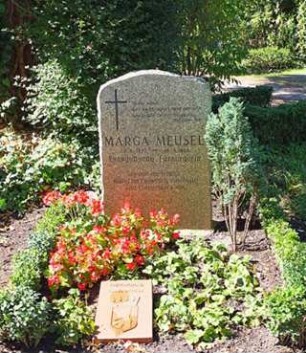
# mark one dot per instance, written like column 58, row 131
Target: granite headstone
column 152, row 147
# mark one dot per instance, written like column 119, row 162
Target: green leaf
column 193, row 336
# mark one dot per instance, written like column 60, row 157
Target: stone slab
column 152, row 147
column 125, row 311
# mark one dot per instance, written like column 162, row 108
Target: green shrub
column 205, row 291
column 30, row 264
column 29, row 164
column 42, row 242
column 24, row 316
column 301, row 32
column 73, row 319
column 286, row 170
column 259, row 96
column 54, row 216
column 290, row 252
column 232, row 152
column 268, row 59
column 58, row 104
column 278, row 125
column 286, row 312
column 286, row 307
column 28, row 267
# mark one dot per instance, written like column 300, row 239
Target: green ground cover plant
column 206, row 292
column 74, row 319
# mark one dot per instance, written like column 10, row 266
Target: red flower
column 139, row 259
column 97, row 207
column 176, row 235
column 105, row 271
column 82, row 286
column 71, row 258
column 131, row 266
column 83, row 248
column 94, row 276
column 93, row 249
column 98, row 229
column 50, row 197
column 116, row 220
column 153, row 213
column 126, row 230
column 106, row 255
column 137, row 213
column 81, row 197
column 53, row 281
column 68, row 200
column 125, row 246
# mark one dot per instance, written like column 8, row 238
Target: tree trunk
column 18, row 12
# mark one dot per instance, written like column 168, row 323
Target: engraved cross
column 116, row 102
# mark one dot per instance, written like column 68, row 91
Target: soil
column 14, row 234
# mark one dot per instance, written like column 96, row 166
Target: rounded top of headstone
column 151, row 72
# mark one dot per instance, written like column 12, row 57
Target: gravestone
column 152, row 147
column 125, row 311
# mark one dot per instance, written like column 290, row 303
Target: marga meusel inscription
column 152, row 148
column 167, row 140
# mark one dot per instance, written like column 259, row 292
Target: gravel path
column 286, row 88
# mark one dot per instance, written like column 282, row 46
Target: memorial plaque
column 125, row 311
column 152, row 147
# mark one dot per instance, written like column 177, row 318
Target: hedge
column 259, row 96
column 285, row 307
column 278, row 125
column 268, row 59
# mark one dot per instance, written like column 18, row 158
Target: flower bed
column 200, row 290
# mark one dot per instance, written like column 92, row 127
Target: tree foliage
column 103, row 39
column 211, row 39
column 81, row 44
column 301, row 31
column 279, row 23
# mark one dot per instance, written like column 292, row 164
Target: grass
column 291, row 72
column 287, row 72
